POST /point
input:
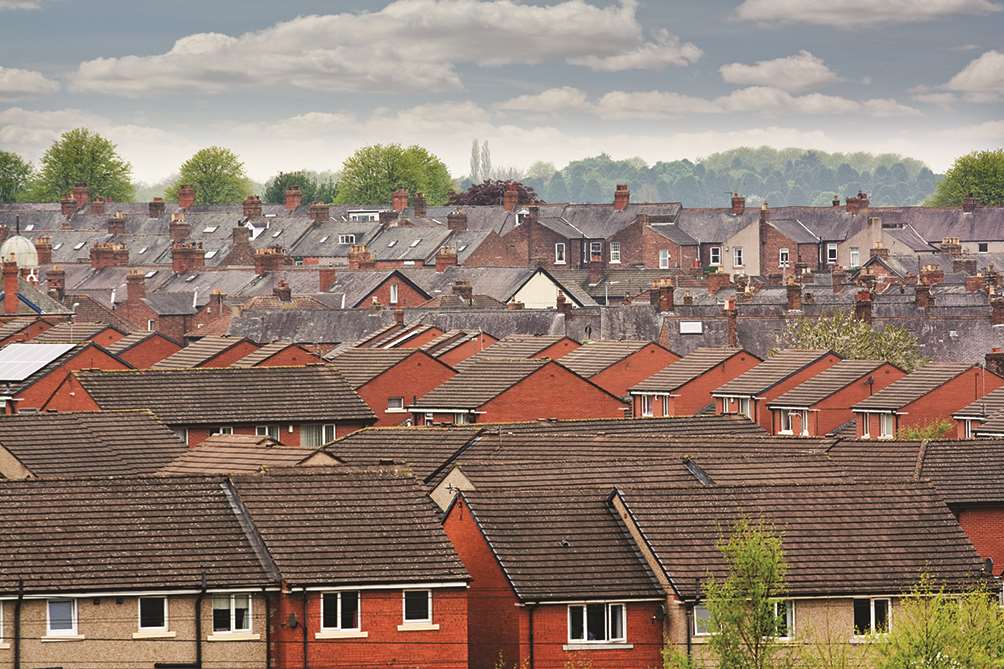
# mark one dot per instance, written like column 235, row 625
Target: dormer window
column 346, row 239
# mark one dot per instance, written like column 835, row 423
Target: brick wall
column 37, row 394
column 467, row 349
column 619, row 377
column 149, row 352
column 407, row 296
column 644, row 635
column 771, row 243
column 231, row 355
column 30, row 332
column 289, row 433
column 985, row 527
column 558, row 349
column 494, row 251
column 291, row 356
column 696, row 394
column 551, row 392
column 413, row 377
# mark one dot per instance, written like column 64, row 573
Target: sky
column 302, row 84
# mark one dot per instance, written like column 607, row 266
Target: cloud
column 854, row 13
column 943, row 100
column 20, row 4
column 982, row 79
column 16, row 84
column 407, row 45
column 652, row 105
column 566, row 98
column 792, row 73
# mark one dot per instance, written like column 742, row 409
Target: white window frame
column 1, row 623
column 347, row 239
column 871, row 606
column 967, row 428
column 139, row 615
column 789, row 617
column 665, row 406
column 787, row 424
column 854, row 257
column 783, row 257
column 866, row 420
column 338, row 612
column 646, row 405
column 267, row 431
column 664, row 258
column 745, row 407
column 430, row 418
column 615, row 253
column 222, row 429
column 831, row 254
column 887, row 420
column 737, row 256
column 697, row 630
column 404, row 608
column 715, row 256
column 391, row 402
column 394, row 294
column 608, row 637
column 595, row 251
column 983, row 247
column 233, row 613
column 73, row 631
column 150, row 325
column 559, row 253
column 326, row 430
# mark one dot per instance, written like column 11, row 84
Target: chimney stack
column 995, row 361
column 622, row 197
column 179, row 227
column 836, row 201
column 282, row 291
column 964, row 264
column 294, row 197
column 952, row 246
column 10, row 287
column 661, row 294
column 446, row 257
column 732, row 324
column 241, row 252
column 859, row 203
column 320, row 213
column 81, row 195
column 510, row 198
column 923, row 296
column 252, row 206
column 456, row 221
column 931, row 275
column 135, row 286
column 863, row 306
column 969, row 203
column 764, row 213
column 68, row 206
column 464, row 291
column 838, row 278
column 326, row 277
column 186, row 196
column 109, row 254
column 399, row 200
column 793, row 290
column 270, row 259
column 420, row 209
column 156, row 207
column 738, row 204
column 43, row 247
column 55, row 280
column 997, row 311
column 187, row 257
column 360, row 257
column 117, row 223
column 98, row 206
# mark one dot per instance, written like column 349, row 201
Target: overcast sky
column 303, row 83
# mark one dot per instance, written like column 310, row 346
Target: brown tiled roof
column 423, row 449
column 561, row 544
column 448, row 341
column 128, row 341
column 14, row 325
column 990, row 405
column 264, row 353
column 595, row 356
column 518, row 346
column 826, row 383
column 686, row 369
column 846, row 539
column 116, row 443
column 215, row 396
column 322, row 526
column 913, row 386
column 198, row 353
column 71, row 333
column 236, row 454
column 479, row 382
column 770, row 372
column 359, row 366
column 994, row 426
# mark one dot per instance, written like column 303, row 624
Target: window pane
column 329, row 434
column 350, row 611
column 576, row 630
column 702, row 620
column 881, row 614
column 596, row 623
column 395, row 402
column 616, row 621
column 329, row 617
column 242, row 613
column 61, row 615
column 221, row 614
column 862, row 616
column 310, row 436
column 783, row 615
column 416, row 605
column 151, row 612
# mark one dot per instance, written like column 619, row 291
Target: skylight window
column 143, row 250
column 149, row 275
column 29, row 227
column 276, row 234
column 392, row 243
column 210, row 229
column 461, row 247
column 190, row 278
column 78, row 246
column 57, row 246
column 210, row 254
column 416, row 242
column 324, row 239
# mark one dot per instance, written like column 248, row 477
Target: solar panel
column 19, row 361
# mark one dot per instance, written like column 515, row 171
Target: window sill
column 598, row 646
column 154, row 634
column 341, row 634
column 4, row 646
column 64, row 637
column 396, row 411
column 233, row 636
column 417, row 627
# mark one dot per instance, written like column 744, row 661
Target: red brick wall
column 381, row 611
column 107, row 336
column 231, row 355
column 771, row 243
column 494, row 251
column 640, row 245
column 644, row 633
column 985, row 527
column 30, row 332
column 467, row 349
column 696, row 394
column 413, row 377
column 551, row 392
column 407, row 296
column 619, row 377
column 37, row 394
column 291, row 356
column 198, row 434
column 558, row 349
column 149, row 352
column 70, row 396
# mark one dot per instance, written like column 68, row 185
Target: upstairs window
column 595, row 251
column 716, row 256
column 267, row 431
column 395, row 404
column 983, row 247
column 153, row 614
column 340, row 611
column 646, row 405
column 597, row 623
column 393, row 293
column 615, row 253
column 61, row 617
column 559, row 253
column 886, row 422
column 782, row 257
column 872, row 616
column 831, row 254
column 855, row 257
column 784, row 615
column 314, row 436
column 663, row 258
column 222, row 429
column 346, row 239
column 232, row 613
column 702, row 620
column 737, row 256
column 417, row 606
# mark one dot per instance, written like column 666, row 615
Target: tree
column 980, row 173
column 373, row 173
column 216, row 174
column 490, row 192
column 475, row 176
column 853, row 339
column 15, row 174
column 939, row 429
column 486, row 161
column 82, row 156
column 275, row 188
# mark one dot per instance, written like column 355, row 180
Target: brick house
column 684, row 387
column 389, row 380
column 749, row 394
column 536, row 347
column 615, row 366
column 76, row 332
column 514, row 389
column 297, row 406
column 22, row 328
column 143, row 350
column 365, row 287
column 241, row 454
column 454, row 346
column 822, row 404
column 209, row 352
column 35, row 371
column 399, row 335
column 931, row 393
column 279, row 354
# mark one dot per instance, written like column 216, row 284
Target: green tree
column 853, row 339
column 15, row 174
column 373, row 173
column 275, row 188
column 939, row 429
column 980, row 173
column 216, row 174
column 82, row 156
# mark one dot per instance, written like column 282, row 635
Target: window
column 788, row 421
column 596, row 623
column 78, row 246
column 417, row 606
column 222, row 429
column 784, row 614
column 559, row 253
column 665, row 405
column 153, row 614
column 150, row 325
column 323, row 239
column 865, row 420
column 340, row 611
column 983, row 247
column 855, row 259
column 232, row 613
column 737, row 256
column 210, row 229
column 430, row 418
column 210, row 254
column 745, row 407
column 871, row 616
column 716, row 256
column 663, row 258
column 782, row 257
column 461, row 419
column 314, row 436
column 346, row 239
column 967, row 429
column 268, row 431
column 276, row 233
column 143, row 250
column 886, row 421
column 395, row 404
column 1, row 622
column 61, row 617
column 149, row 275
column 831, row 254
column 702, row 620
column 415, row 243
column 615, row 253
column 595, row 251
column 646, row 405
column 393, row 293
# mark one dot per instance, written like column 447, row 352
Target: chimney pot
column 622, row 197
column 294, row 197
column 399, row 200
column 282, row 291
column 187, row 257
column 186, row 196
column 738, row 204
column 456, row 221
column 446, row 257
column 10, row 287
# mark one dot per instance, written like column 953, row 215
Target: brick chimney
column 187, row 257
column 81, row 195
column 180, row 228
column 294, row 197
column 109, row 254
column 969, row 204
column 661, row 294
column 716, row 281
column 320, row 213
column 858, row 203
column 156, row 207
column 952, row 246
column 68, row 206
column 360, row 257
column 931, row 275
column 252, row 206
column 43, row 247
column 764, row 213
column 464, row 291
column 923, row 295
column 622, row 197
column 975, row 283
column 419, row 206
column 995, row 361
column 879, row 251
column 10, row 287
column 456, row 221
column 731, row 325
column 838, row 277
column 326, row 277
column 135, row 286
column 863, row 306
column 793, row 290
column 964, row 264
column 997, row 311
column 186, row 196
column 116, row 223
column 399, row 200
column 55, row 280
column 446, row 257
column 270, row 259
column 282, row 291
column 98, row 206
column 241, row 252
column 510, row 198
column 738, row 204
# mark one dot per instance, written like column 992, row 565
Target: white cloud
column 652, row 105
column 566, row 98
column 981, row 80
column 792, row 73
column 20, row 4
column 16, row 84
column 407, row 45
column 854, row 13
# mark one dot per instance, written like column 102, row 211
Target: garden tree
column 980, row 173
column 490, row 192
column 541, row 171
column 373, row 173
column 939, row 429
column 853, row 339
column 216, row 174
column 486, row 161
column 14, row 176
column 475, row 175
column 314, row 187
column 82, row 156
